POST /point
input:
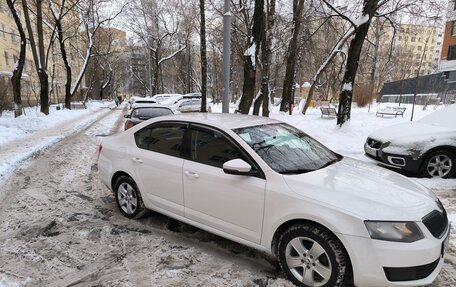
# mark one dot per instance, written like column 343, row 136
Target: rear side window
column 148, row 113
column 165, row 139
column 212, row 148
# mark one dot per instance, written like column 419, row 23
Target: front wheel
column 440, row 163
column 129, row 198
column 311, row 256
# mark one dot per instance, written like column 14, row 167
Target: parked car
column 141, row 101
column 143, row 112
column 162, row 97
column 192, row 105
column 260, row 182
column 426, row 147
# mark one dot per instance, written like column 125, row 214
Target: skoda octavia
column 330, row 220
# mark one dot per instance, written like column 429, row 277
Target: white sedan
column 330, row 220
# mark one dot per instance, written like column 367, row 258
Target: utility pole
column 226, row 56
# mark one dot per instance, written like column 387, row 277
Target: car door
column 230, row 203
column 158, row 158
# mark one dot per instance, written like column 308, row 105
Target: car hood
column 365, row 190
column 410, row 132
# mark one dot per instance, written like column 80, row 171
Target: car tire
column 440, row 163
column 128, row 198
column 322, row 260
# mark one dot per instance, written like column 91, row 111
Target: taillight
column 128, row 124
column 100, row 147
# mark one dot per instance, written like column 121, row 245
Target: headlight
column 394, row 231
column 385, row 145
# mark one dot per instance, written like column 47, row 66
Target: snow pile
column 445, row 117
column 14, row 128
column 26, row 136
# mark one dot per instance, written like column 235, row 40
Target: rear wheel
column 440, row 163
column 311, row 256
column 129, row 198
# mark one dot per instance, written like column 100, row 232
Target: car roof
column 228, row 121
column 151, row 105
column 146, row 100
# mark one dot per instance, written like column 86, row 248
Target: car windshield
column 148, row 113
column 286, row 149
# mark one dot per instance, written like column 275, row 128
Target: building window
column 420, row 40
column 3, row 31
column 13, row 36
column 14, row 59
column 413, row 39
column 419, row 48
column 453, row 28
column 451, row 52
column 6, row 58
column 400, row 38
column 418, row 56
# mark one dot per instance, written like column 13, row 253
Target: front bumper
column 397, row 161
column 372, row 259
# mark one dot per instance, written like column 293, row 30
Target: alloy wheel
column 439, row 166
column 308, row 261
column 127, row 197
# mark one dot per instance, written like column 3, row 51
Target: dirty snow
column 61, row 227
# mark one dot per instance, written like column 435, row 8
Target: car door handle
column 191, row 174
column 137, row 160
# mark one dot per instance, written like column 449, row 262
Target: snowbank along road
column 60, row 227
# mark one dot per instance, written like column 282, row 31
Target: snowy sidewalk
column 27, row 136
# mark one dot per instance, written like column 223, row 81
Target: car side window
column 166, row 138
column 212, row 148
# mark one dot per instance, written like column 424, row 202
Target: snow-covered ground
column 60, row 226
column 22, row 138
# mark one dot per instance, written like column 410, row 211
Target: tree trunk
column 287, row 97
column 266, row 52
column 17, row 72
column 38, row 60
column 156, row 75
column 354, row 52
column 42, row 73
column 203, row 58
column 257, row 104
column 68, row 71
column 250, row 58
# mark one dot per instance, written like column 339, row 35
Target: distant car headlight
column 394, row 231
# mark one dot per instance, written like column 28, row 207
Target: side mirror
column 127, row 116
column 237, row 167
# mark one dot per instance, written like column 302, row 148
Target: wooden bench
column 330, row 112
column 391, row 111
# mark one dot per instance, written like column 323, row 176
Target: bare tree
column 266, row 51
column 203, row 56
column 157, row 25
column 19, row 66
column 251, row 56
column 38, row 51
column 298, row 6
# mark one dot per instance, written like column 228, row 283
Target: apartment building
column 417, row 49
column 9, row 53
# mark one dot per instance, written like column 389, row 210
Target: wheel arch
column 449, row 148
column 287, row 224
column 116, row 176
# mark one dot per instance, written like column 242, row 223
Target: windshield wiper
column 296, row 171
